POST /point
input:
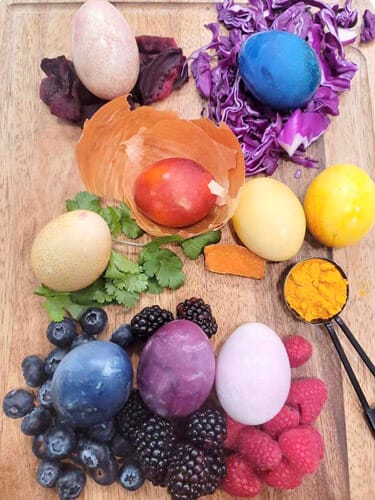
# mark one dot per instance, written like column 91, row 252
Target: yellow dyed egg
column 340, row 205
column 269, row 219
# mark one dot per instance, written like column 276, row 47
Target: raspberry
column 241, row 480
column 262, row 452
column 303, row 447
column 309, row 394
column 283, row 477
column 233, row 431
column 299, row 350
column 287, row 418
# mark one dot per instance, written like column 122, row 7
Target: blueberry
column 70, row 482
column 106, row 473
column 81, row 440
column 48, row 472
column 93, row 454
column 44, row 394
column 36, row 421
column 33, row 370
column 81, row 339
column 53, row 360
column 120, row 447
column 63, row 333
column 123, row 336
column 93, row 321
column 39, row 447
column 17, row 403
column 131, row 476
column 103, row 432
column 60, row 441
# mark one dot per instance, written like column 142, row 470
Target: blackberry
column 217, row 464
column 155, row 442
column 190, row 474
column 207, row 429
column 132, row 416
column 145, row 323
column 199, row 312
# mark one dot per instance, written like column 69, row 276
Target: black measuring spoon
column 329, row 325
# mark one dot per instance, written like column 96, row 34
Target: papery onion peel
column 117, row 144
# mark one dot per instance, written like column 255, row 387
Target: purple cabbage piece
column 266, row 135
column 368, row 27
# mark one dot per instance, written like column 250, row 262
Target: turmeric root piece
column 234, row 259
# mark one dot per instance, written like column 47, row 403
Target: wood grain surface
column 38, row 172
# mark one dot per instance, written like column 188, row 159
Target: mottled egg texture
column 104, row 49
column 176, row 369
column 252, row 374
column 92, row 383
column 280, row 69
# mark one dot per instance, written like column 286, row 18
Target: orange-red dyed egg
column 174, row 192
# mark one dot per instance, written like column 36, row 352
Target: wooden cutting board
column 38, row 173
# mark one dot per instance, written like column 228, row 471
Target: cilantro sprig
column 157, row 268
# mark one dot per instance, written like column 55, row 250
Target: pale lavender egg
column 252, row 374
column 176, row 369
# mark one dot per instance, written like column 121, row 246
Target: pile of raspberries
column 282, row 451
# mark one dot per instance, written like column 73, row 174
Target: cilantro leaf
column 128, row 225
column 170, row 271
column 57, row 306
column 112, row 217
column 93, row 293
column 164, row 265
column 84, row 201
column 133, row 283
column 193, row 247
column 153, row 286
column 119, row 265
column 163, row 240
column 125, row 298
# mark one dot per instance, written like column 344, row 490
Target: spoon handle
column 357, row 346
column 353, row 379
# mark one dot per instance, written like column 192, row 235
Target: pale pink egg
column 252, row 374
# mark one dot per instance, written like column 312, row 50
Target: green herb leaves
column 193, row 247
column 118, row 219
column 123, row 281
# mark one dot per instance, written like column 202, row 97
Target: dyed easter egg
column 176, row 369
column 279, row 68
column 92, row 383
column 252, row 374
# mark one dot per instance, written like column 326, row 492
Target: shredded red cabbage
column 265, row 135
column 368, row 27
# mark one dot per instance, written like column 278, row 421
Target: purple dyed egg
column 176, row 369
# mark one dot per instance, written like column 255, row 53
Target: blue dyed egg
column 280, row 69
column 92, row 383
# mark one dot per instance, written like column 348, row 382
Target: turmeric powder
column 316, row 290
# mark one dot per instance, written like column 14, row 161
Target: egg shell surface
column 71, row 251
column 176, row 370
column 104, row 50
column 92, row 383
column 252, row 374
column 270, row 219
column 279, row 68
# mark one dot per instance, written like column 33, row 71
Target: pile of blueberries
column 67, row 454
